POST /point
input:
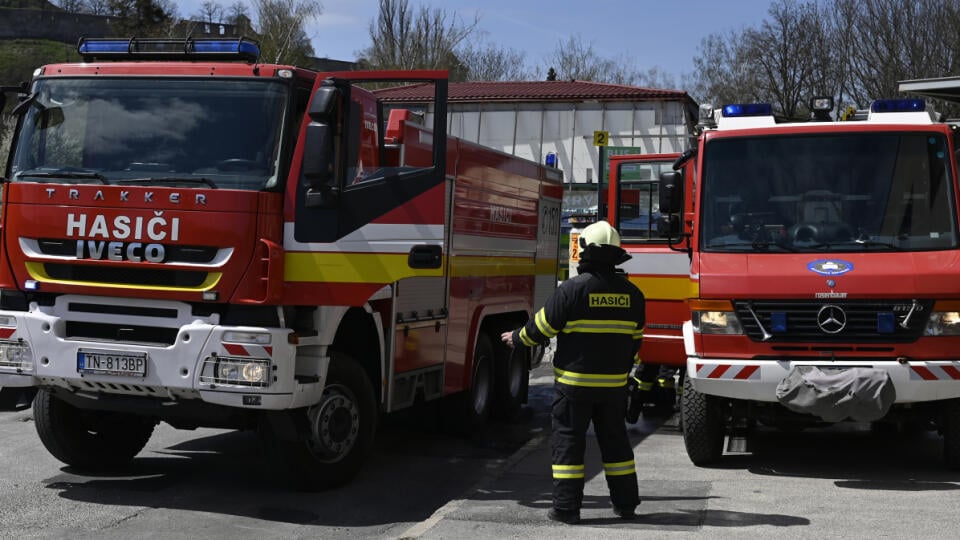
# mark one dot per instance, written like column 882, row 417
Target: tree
column 239, row 16
column 575, row 60
column 71, row 6
column 896, row 40
column 141, row 18
column 853, row 50
column 97, row 7
column 490, row 62
column 427, row 39
column 280, row 28
column 237, row 12
column 210, row 12
column 716, row 78
column 783, row 50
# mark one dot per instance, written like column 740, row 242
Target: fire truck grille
column 173, row 253
column 126, row 276
column 871, row 321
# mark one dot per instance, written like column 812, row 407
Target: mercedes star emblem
column 831, row 319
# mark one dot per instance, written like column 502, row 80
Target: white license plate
column 112, row 363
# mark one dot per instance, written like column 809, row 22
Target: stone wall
column 52, row 25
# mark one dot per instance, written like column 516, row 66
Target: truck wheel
column 335, row 436
column 950, row 425
column 476, row 409
column 91, row 440
column 467, row 411
column 511, row 382
column 703, row 425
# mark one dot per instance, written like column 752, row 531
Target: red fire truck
column 822, row 285
column 660, row 265
column 193, row 237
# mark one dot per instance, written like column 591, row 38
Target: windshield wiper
column 169, row 180
column 68, row 175
column 757, row 245
column 866, row 242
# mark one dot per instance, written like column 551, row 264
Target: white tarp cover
column 861, row 394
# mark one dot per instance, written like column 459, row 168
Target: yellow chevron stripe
column 667, row 288
column 334, row 267
column 547, row 267
column 37, row 272
column 470, row 266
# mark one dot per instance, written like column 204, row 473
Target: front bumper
column 187, row 368
column 757, row 380
column 915, row 381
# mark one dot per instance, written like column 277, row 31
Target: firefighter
column 597, row 318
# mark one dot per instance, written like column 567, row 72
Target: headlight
column 943, row 323
column 16, row 355
column 233, row 371
column 716, row 322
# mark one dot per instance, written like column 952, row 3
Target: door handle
column 425, row 256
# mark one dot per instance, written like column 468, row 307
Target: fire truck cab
column 823, row 264
column 194, row 237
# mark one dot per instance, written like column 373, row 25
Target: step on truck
column 823, row 273
column 193, row 237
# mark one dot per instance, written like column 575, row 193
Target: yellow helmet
column 599, row 234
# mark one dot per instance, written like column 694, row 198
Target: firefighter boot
column 625, row 513
column 570, row 517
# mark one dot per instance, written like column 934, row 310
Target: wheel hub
column 334, row 423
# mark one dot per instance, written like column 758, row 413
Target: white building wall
column 531, row 130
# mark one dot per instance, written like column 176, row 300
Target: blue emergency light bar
column 739, row 110
column 898, row 105
column 241, row 48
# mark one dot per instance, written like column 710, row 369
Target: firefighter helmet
column 599, row 234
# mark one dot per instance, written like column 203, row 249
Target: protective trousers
column 573, row 410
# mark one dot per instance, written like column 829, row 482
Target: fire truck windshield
column 838, row 192
column 160, row 131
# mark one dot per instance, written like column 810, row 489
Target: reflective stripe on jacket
column 597, row 319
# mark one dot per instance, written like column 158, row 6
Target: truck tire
column 477, row 403
column 90, row 440
column 950, row 426
column 333, row 437
column 703, row 425
column 467, row 411
column 511, row 382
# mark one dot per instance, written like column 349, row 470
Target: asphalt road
column 425, row 483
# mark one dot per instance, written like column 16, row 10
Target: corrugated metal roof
column 465, row 92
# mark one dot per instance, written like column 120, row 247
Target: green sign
column 615, row 151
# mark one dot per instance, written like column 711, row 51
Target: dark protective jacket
column 597, row 318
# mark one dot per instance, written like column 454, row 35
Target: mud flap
column 859, row 393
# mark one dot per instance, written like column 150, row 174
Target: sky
column 663, row 34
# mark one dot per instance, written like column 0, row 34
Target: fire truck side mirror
column 319, row 156
column 670, row 192
column 324, row 103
